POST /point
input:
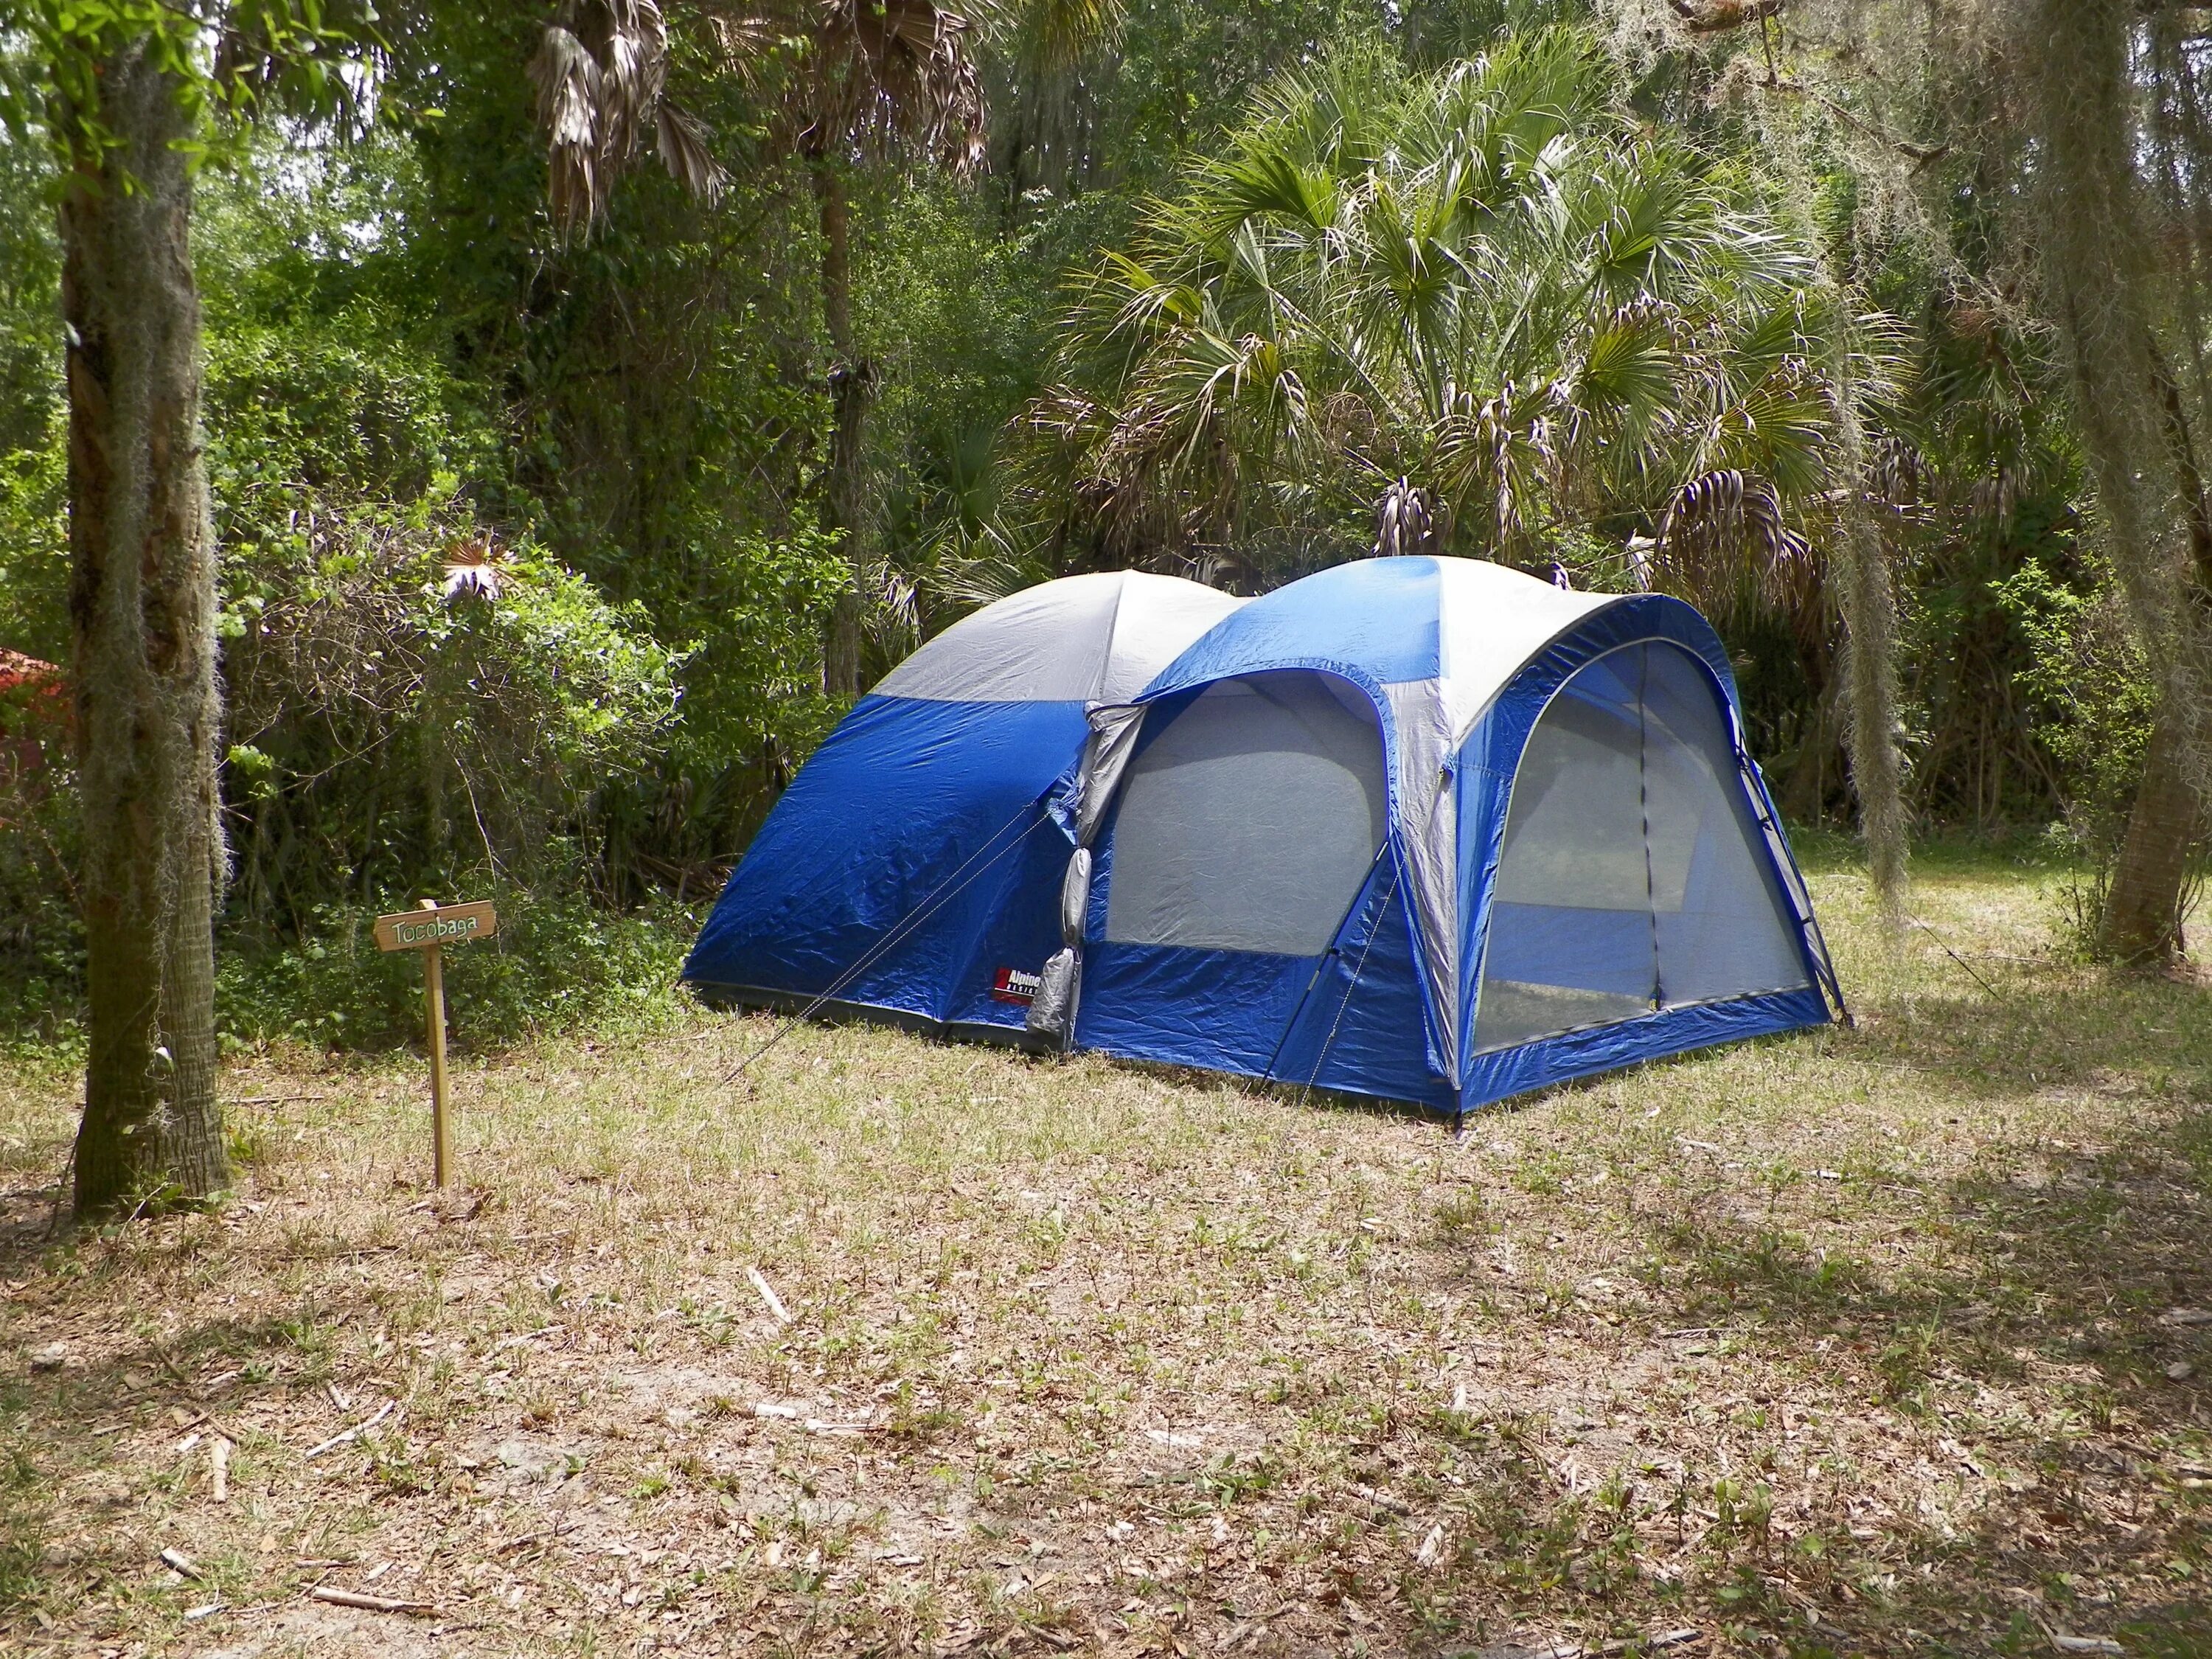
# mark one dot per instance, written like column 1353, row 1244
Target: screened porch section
column 1634, row 876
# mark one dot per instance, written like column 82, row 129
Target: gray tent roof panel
column 1098, row 638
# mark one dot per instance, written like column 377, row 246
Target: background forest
column 561, row 514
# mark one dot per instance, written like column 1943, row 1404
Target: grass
column 1855, row 1342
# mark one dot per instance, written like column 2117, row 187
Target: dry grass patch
column 1869, row 1341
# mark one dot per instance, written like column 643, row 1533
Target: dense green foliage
column 526, row 574
column 1483, row 281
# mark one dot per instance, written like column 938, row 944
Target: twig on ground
column 768, row 1295
column 200, row 1413
column 356, row 1432
column 345, row 1598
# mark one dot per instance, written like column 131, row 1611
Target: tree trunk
column 1869, row 665
column 143, row 604
column 2141, row 920
column 1870, row 669
column 2102, row 274
column 851, row 388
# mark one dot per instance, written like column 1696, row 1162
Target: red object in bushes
column 33, row 703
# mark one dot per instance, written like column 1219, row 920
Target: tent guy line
column 1357, row 969
column 904, row 925
column 1267, row 1071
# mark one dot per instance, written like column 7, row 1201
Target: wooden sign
column 436, row 924
column 427, row 930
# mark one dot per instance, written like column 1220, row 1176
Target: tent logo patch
column 1012, row 985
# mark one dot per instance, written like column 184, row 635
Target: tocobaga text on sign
column 449, row 924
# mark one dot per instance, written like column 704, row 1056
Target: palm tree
column 857, row 81
column 1480, row 298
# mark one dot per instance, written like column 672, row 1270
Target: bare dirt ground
column 1885, row 1340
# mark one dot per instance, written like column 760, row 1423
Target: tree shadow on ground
column 2042, row 1027
column 2076, row 1280
column 31, row 1218
column 79, row 1425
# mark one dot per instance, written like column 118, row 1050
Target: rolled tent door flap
column 1052, row 1009
column 1052, row 1012
column 1075, row 895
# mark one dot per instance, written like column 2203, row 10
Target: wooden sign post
column 427, row 930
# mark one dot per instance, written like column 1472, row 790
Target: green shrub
column 555, row 964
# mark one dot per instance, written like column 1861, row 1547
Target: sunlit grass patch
column 1804, row 1344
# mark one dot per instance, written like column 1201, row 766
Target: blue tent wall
column 1486, row 767
column 917, row 823
column 1351, row 1020
column 1015, row 925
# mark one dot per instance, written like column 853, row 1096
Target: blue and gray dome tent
column 1427, row 829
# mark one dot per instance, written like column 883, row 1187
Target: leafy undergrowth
column 556, row 966
column 1881, row 1341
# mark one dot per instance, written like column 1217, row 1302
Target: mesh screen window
column 1250, row 821
column 1633, row 876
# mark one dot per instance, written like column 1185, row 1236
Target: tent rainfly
column 1425, row 829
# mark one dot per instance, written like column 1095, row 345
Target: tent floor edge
column 744, row 998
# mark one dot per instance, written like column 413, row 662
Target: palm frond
column 1724, row 534
column 884, row 76
column 1056, row 34
column 567, row 80
column 601, row 74
column 1264, row 183
column 1409, row 519
column 681, row 143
